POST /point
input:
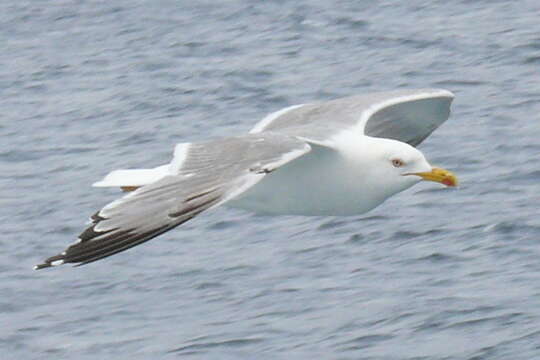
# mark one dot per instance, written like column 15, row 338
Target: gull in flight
column 340, row 157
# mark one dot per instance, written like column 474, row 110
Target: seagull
column 335, row 158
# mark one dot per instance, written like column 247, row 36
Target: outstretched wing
column 207, row 175
column 405, row 115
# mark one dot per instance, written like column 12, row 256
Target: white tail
column 133, row 178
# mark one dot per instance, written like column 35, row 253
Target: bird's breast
column 322, row 182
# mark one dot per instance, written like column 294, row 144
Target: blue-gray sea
column 91, row 86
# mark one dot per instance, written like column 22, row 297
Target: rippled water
column 87, row 87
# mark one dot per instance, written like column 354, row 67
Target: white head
column 399, row 166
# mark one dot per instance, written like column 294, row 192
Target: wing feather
column 220, row 170
column 405, row 115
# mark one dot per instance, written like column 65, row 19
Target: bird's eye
column 397, row 163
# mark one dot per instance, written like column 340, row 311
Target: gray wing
column 405, row 115
column 208, row 174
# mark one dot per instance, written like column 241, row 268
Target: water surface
column 88, row 87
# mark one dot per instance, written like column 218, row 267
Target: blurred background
column 91, row 86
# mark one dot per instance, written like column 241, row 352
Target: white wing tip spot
column 52, row 263
column 57, row 262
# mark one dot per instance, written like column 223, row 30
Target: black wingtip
column 42, row 266
column 50, row 262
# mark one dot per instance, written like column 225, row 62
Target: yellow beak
column 439, row 175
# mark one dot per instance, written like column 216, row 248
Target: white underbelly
column 319, row 183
